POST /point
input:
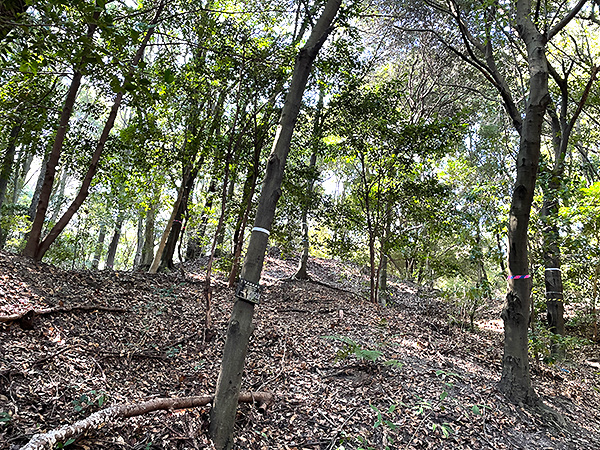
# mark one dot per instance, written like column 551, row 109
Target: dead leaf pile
column 346, row 374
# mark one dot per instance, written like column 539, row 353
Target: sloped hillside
column 346, row 374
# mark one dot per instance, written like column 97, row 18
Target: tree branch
column 564, row 22
column 45, row 440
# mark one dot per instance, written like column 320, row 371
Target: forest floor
column 412, row 381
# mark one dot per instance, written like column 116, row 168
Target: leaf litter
column 346, row 374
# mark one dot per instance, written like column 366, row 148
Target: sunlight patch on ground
column 495, row 325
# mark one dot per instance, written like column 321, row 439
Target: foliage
column 352, row 348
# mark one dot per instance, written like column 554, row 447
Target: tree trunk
column 240, row 228
column 8, row 162
column 148, row 249
column 383, row 259
column 24, row 166
column 39, row 250
column 260, row 133
column 99, row 246
column 240, row 324
column 515, row 382
column 59, row 196
column 561, row 135
column 225, row 211
column 140, row 242
column 194, row 248
column 301, row 272
column 33, row 242
column 188, row 180
column 112, row 247
column 38, row 188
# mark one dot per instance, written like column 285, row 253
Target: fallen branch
column 25, row 319
column 49, row 439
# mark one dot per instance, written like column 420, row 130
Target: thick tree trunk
column 163, row 241
column 114, row 243
column 8, row 161
column 240, row 324
column 515, row 382
column 39, row 250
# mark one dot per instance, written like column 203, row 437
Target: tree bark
column 140, row 242
column 21, row 174
column 8, row 161
column 561, row 128
column 114, row 243
column 301, row 271
column 48, row 440
column 240, row 324
column 515, row 382
column 194, row 248
column 188, row 181
column 163, row 241
column 99, row 246
column 38, row 252
column 33, row 242
column 148, row 249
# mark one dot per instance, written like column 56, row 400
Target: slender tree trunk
column 561, row 135
column 240, row 323
column 38, row 252
column 515, row 382
column 8, row 161
column 188, row 180
column 114, row 243
column 38, row 188
column 240, row 228
column 140, row 242
column 301, row 272
column 32, row 249
column 99, row 246
column 225, row 211
column 194, row 248
column 59, row 196
column 20, row 180
column 148, row 249
column 163, row 241
column 383, row 258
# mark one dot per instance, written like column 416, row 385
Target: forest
column 299, row 225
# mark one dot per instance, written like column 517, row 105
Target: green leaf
column 443, row 395
column 476, row 410
column 169, row 76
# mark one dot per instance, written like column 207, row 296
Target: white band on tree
column 262, row 230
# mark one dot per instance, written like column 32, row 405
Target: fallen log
column 25, row 319
column 48, row 440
